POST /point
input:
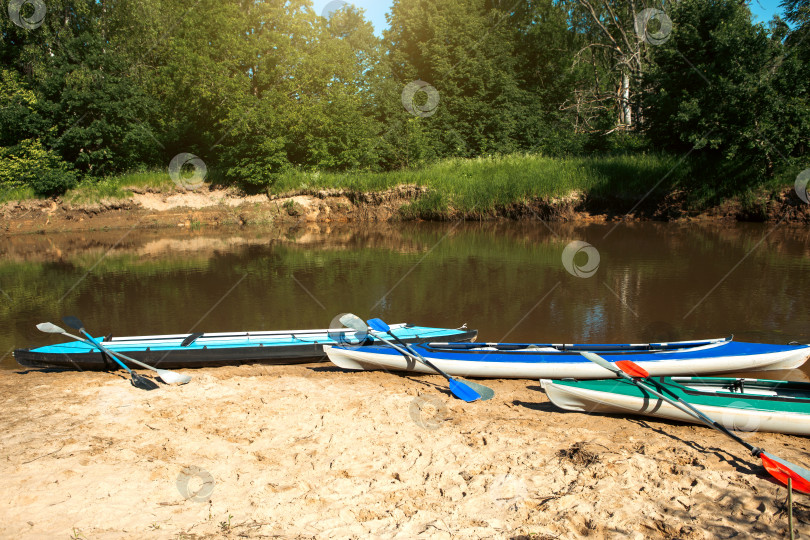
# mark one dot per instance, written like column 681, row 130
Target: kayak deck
column 743, row 386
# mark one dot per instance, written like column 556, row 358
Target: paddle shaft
column 113, row 354
column 358, row 325
column 418, row 356
column 466, row 391
column 409, row 353
column 781, row 470
column 692, row 411
column 103, row 349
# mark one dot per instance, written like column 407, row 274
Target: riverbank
column 212, row 208
column 516, row 187
column 313, row 452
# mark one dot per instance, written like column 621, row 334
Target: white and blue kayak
column 224, row 348
column 557, row 361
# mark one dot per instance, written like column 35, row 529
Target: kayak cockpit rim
column 575, row 348
column 736, row 387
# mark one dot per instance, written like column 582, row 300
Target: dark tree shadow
column 148, row 382
column 734, row 460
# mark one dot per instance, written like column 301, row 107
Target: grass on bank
column 95, row 190
column 118, row 187
column 477, row 186
column 16, row 193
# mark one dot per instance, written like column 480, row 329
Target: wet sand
column 312, row 452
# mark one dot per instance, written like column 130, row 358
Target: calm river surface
column 509, row 280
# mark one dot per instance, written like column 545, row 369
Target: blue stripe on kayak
column 730, row 348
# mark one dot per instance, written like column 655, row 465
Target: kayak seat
column 541, row 349
column 191, row 339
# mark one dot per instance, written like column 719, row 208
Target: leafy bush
column 30, row 164
column 52, row 181
column 252, row 163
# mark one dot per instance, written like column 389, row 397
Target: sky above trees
column 375, row 10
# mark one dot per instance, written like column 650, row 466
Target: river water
column 518, row 282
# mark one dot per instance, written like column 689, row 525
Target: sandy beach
column 308, row 451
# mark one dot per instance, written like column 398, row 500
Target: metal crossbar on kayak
column 302, row 336
column 280, row 334
column 530, row 347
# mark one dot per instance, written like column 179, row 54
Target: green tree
column 102, row 116
column 465, row 49
column 715, row 85
column 24, row 161
column 20, row 117
column 797, row 12
column 87, row 108
column 546, row 47
column 310, row 101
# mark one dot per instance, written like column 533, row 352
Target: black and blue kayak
column 558, row 361
column 225, row 348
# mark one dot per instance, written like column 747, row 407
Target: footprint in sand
column 115, row 403
column 507, row 491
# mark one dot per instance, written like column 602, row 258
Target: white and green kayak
column 737, row 404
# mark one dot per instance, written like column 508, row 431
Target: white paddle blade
column 170, row 377
column 354, row 322
column 596, row 359
column 49, row 328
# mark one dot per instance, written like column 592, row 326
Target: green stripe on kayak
column 750, row 394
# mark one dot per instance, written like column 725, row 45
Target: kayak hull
column 759, row 408
column 545, row 362
column 218, row 349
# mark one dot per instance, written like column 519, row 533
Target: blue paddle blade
column 462, row 391
column 378, row 325
column 73, row 322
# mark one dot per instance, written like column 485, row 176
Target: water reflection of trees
column 497, row 277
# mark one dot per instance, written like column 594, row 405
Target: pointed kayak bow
column 471, row 389
column 377, row 327
column 169, row 377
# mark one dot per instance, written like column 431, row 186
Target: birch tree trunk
column 613, row 39
column 627, row 112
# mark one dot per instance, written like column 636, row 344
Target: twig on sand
column 42, row 456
